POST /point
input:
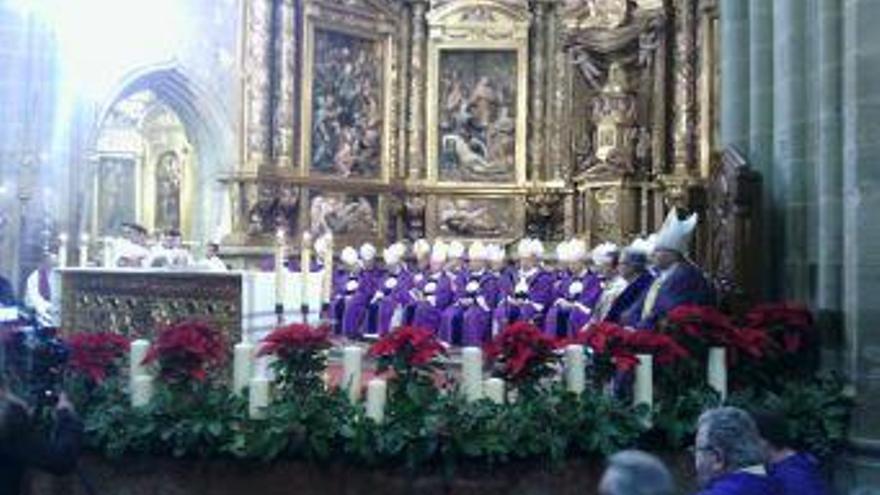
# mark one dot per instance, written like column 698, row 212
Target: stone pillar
column 556, row 67
column 537, row 158
column 734, row 19
column 417, row 62
column 685, row 58
column 757, row 143
column 790, row 117
column 257, row 84
column 285, row 74
column 861, row 255
column 829, row 167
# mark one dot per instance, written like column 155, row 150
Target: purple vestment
column 622, row 311
column 348, row 311
column 685, row 284
column 742, row 483
column 530, row 304
column 468, row 321
column 428, row 297
column 390, row 298
column 799, row 474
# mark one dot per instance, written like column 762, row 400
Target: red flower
column 417, row 347
column 523, row 352
column 96, row 355
column 286, row 341
column 186, row 351
column 790, row 325
column 663, row 347
column 704, row 324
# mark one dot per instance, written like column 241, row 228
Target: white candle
column 377, row 394
column 643, row 388
column 494, row 390
column 305, row 267
column 62, row 250
column 242, row 366
column 108, row 252
column 141, row 390
column 84, row 250
column 575, row 377
column 472, row 373
column 717, row 370
column 327, row 280
column 258, row 397
column 280, row 269
column 137, row 352
column 352, row 365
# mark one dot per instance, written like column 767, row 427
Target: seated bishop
column 371, row 274
column 349, row 300
column 385, row 311
column 532, row 292
column 455, row 266
column 431, row 294
column 40, row 288
column 570, row 312
column 606, row 257
column 633, row 268
column 678, row 280
column 468, row 320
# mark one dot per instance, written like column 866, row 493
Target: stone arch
column 208, row 128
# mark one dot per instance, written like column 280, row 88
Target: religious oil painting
column 117, row 198
column 477, row 115
column 344, row 214
column 347, row 106
column 477, row 218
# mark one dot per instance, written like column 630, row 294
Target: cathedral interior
column 386, row 121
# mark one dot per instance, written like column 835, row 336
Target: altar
column 136, row 302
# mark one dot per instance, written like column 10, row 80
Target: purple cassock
column 349, row 309
column 684, row 284
column 624, row 308
column 468, row 321
column 386, row 308
column 799, row 474
column 428, row 297
column 566, row 317
column 742, row 483
column 371, row 279
column 531, row 297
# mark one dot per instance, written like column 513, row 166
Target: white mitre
column 675, row 235
column 478, row 251
column 392, row 254
column 537, row 248
column 439, row 252
column 349, row 256
column 563, row 252
column 368, row 252
column 455, row 250
column 496, row 253
column 577, row 249
column 324, row 243
column 421, row 248
column 603, row 253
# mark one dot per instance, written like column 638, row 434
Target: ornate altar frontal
column 473, row 119
column 138, row 302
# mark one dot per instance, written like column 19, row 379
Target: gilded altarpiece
column 475, row 119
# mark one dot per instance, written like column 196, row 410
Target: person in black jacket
column 23, row 448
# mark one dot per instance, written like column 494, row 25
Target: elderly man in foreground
column 633, row 472
column 730, row 455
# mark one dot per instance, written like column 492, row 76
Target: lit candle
column 83, row 250
column 243, row 366
column 352, row 364
column 327, row 280
column 377, row 394
column 472, row 373
column 258, row 397
column 575, row 377
column 494, row 390
column 280, row 279
column 305, row 268
column 137, row 352
column 717, row 370
column 141, row 390
column 108, row 252
column 62, row 250
column 643, row 388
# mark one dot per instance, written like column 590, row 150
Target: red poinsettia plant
column 522, row 355
column 187, row 352
column 609, row 350
column 96, row 356
column 411, row 352
column 790, row 325
column 300, row 350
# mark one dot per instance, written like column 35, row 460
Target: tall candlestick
column 352, row 365
column 494, row 390
column 84, row 250
column 258, row 397
column 108, row 253
column 377, row 394
column 141, row 390
column 643, row 388
column 472, row 373
column 280, row 269
column 717, row 370
column 327, row 279
column 305, row 269
column 243, row 366
column 575, row 377
column 62, row 250
column 137, row 352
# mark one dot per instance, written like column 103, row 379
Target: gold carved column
column 684, row 101
column 257, row 85
column 285, row 57
column 537, row 158
column 416, row 154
